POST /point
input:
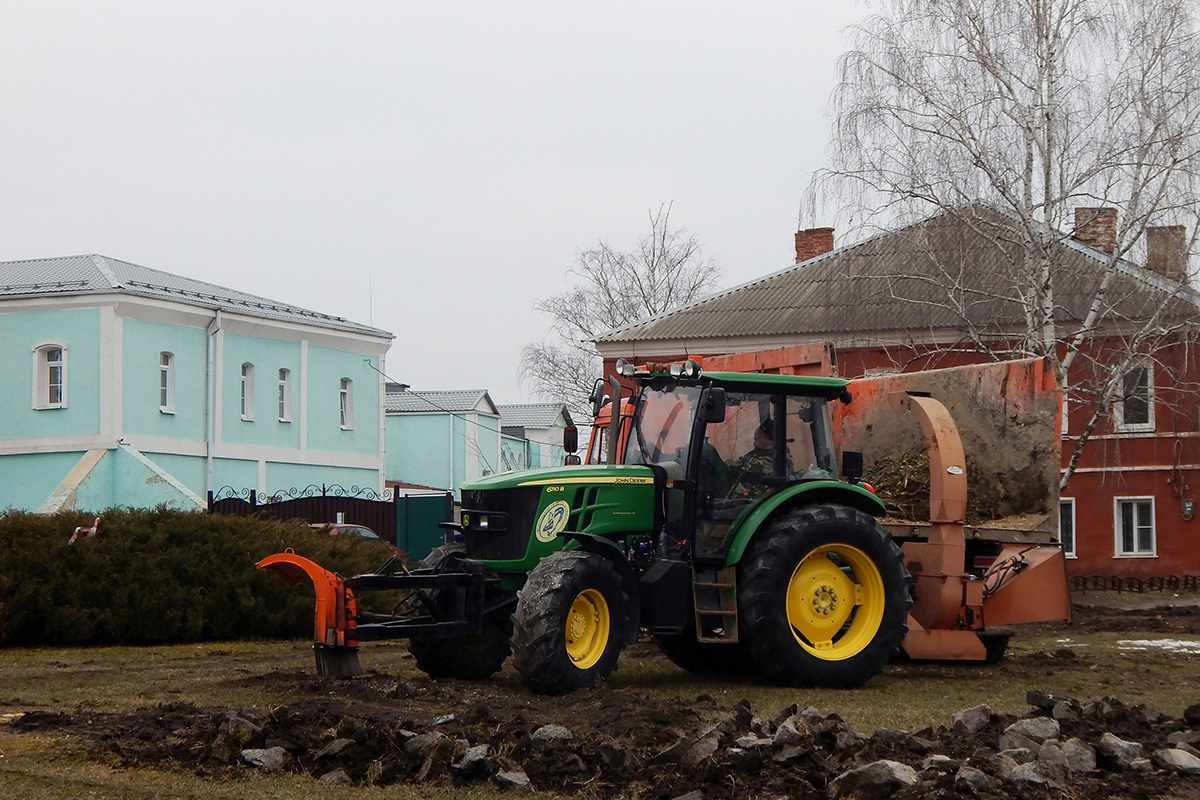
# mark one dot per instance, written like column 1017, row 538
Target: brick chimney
column 813, row 242
column 1097, row 227
column 1167, row 251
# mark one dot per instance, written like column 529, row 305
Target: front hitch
column 338, row 626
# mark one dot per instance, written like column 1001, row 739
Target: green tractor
column 717, row 525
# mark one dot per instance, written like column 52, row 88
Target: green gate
column 417, row 518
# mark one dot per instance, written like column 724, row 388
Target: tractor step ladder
column 716, row 604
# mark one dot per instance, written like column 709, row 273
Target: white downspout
column 210, row 402
column 451, row 484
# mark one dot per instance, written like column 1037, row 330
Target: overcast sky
column 427, row 168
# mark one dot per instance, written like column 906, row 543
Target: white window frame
column 346, row 403
column 1119, row 550
column 43, row 374
column 1066, row 512
column 247, row 391
column 1119, row 407
column 166, row 382
column 285, row 395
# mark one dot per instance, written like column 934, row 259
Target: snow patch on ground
column 1188, row 647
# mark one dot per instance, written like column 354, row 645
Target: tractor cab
column 725, row 442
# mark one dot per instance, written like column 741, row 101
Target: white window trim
column 41, row 376
column 1073, row 551
column 166, row 382
column 1119, row 406
column 246, row 391
column 284, row 399
column 346, row 403
column 1117, row 552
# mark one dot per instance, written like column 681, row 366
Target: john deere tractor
column 718, row 525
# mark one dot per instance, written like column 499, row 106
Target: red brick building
column 946, row 291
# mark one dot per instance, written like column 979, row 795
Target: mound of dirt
column 1180, row 619
column 381, row 729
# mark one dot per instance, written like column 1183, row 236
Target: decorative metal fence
column 320, row 504
column 1156, row 584
column 408, row 521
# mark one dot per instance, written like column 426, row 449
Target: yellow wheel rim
column 587, row 628
column 835, row 601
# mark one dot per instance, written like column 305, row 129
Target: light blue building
column 128, row 386
column 532, row 435
column 440, row 440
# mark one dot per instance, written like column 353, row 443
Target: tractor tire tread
column 539, row 622
column 460, row 657
column 765, row 570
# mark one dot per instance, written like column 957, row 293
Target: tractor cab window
column 740, row 463
column 598, row 445
column 744, row 443
column 662, row 428
column 810, row 439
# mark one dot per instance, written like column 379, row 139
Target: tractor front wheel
column 462, row 657
column 824, row 598
column 567, row 629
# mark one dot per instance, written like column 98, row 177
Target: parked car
column 348, row 529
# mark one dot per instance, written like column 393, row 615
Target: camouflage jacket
column 761, row 461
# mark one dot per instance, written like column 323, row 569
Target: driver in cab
column 746, row 472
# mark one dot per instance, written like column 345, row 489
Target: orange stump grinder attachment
column 435, row 601
column 333, row 621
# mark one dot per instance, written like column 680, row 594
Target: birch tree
column 609, row 288
column 1035, row 108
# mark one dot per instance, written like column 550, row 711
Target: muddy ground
column 379, row 729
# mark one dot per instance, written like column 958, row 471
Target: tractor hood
column 545, row 476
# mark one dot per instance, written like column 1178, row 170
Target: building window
column 1135, row 410
column 248, row 391
column 166, row 382
column 346, row 403
column 1134, row 526
column 50, row 376
column 285, row 395
column 1066, row 526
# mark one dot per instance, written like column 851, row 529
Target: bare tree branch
column 1036, row 108
column 611, row 288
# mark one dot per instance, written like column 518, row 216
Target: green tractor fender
column 792, row 497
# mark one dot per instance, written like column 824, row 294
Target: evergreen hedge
column 160, row 576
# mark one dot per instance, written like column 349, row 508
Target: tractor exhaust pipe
column 614, row 422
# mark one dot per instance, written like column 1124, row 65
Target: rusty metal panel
column 943, row 645
column 1034, row 592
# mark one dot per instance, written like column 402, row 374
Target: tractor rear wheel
column 462, row 657
column 823, row 598
column 567, row 629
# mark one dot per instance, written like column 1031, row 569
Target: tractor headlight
column 476, row 520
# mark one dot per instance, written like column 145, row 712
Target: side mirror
column 714, row 411
column 852, row 465
column 572, row 460
column 597, row 397
column 846, row 397
column 570, row 438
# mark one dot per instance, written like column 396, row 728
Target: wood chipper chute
column 972, row 581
